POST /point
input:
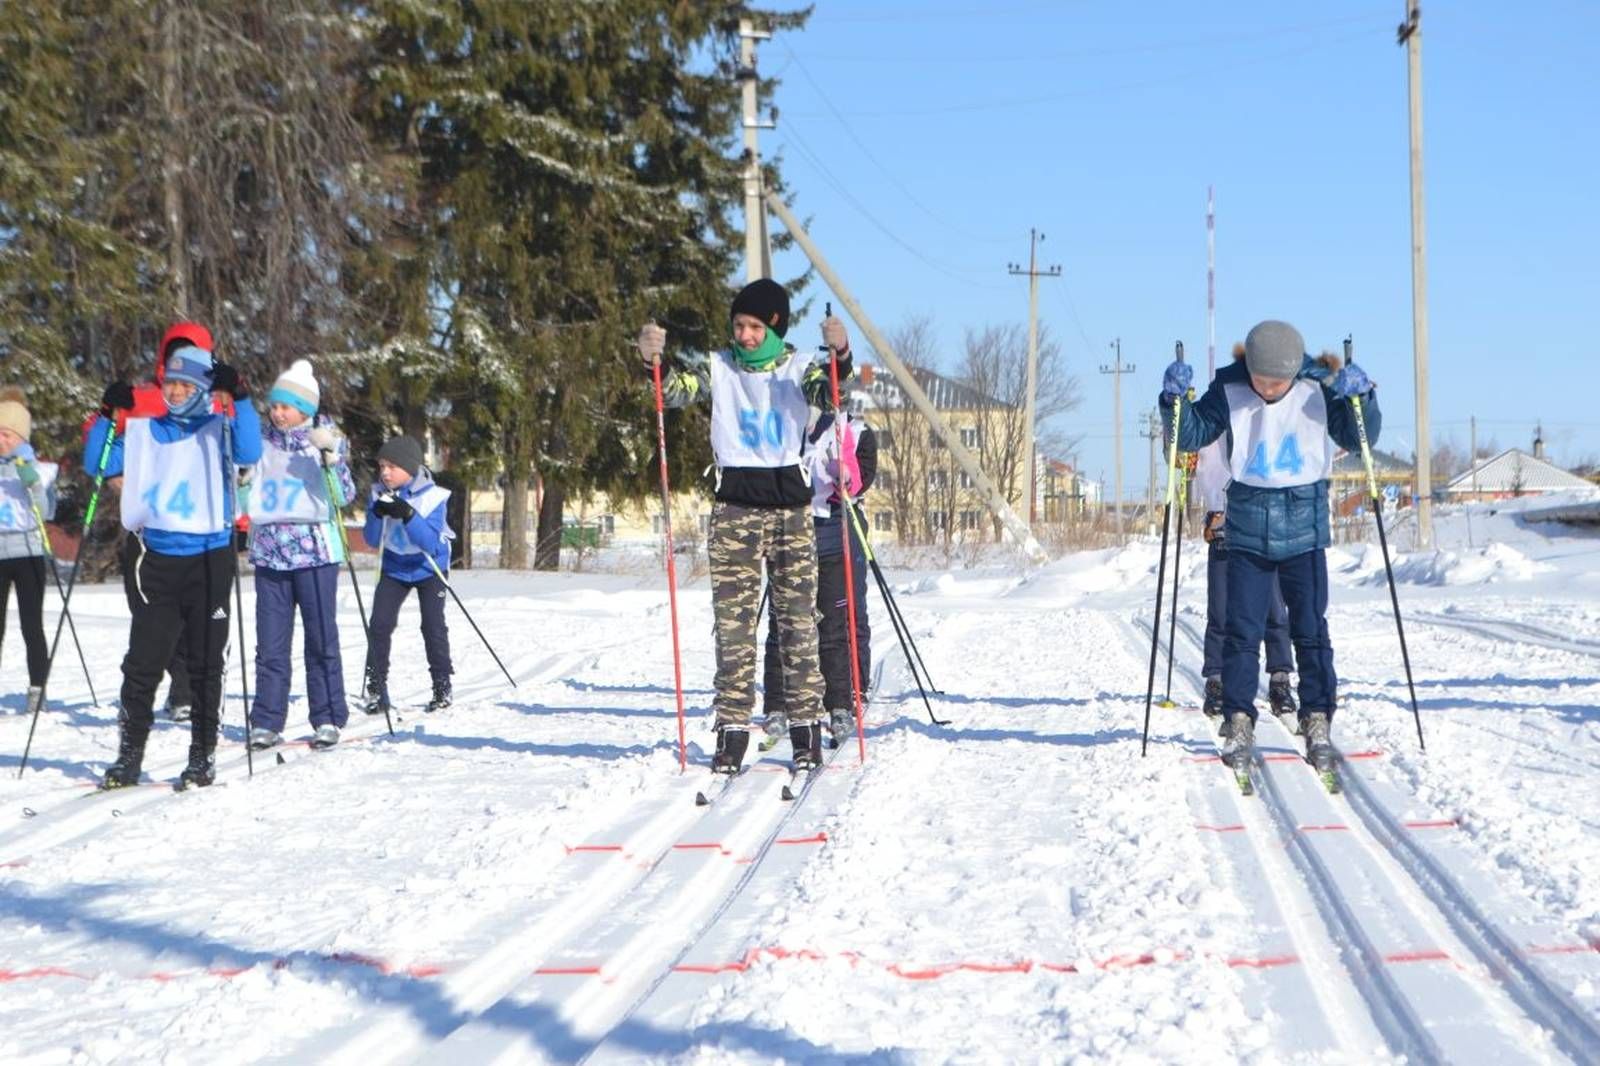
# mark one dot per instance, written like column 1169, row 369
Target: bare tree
column 903, row 453
column 995, row 365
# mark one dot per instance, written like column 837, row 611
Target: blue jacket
column 1283, row 522
column 427, row 531
column 246, row 452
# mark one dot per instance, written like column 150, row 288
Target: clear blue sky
column 924, row 137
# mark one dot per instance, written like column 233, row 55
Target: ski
column 1331, row 782
column 705, row 797
column 768, row 743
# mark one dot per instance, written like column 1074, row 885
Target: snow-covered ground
column 526, row 878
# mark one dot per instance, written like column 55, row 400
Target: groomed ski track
column 1437, row 954
column 1084, row 899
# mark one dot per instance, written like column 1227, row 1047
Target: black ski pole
column 1161, row 566
column 230, row 474
column 440, row 575
column 72, row 581
column 1383, row 543
column 900, row 634
column 72, row 627
column 1177, row 578
column 344, row 542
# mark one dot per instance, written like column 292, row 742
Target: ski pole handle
column 1349, row 353
column 1179, row 349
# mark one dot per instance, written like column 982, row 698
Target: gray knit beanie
column 1274, row 350
column 403, row 452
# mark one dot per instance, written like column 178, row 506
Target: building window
column 969, row 436
column 938, row 479
column 607, row 524
column 885, row 439
column 969, row 520
column 934, row 440
column 883, row 520
column 658, row 524
column 940, row 521
column 965, row 480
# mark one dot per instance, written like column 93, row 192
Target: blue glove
column 1351, row 381
column 1176, row 381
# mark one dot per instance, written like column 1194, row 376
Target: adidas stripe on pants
column 179, row 598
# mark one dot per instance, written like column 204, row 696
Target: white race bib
column 1279, row 445
column 758, row 419
column 16, row 505
column 424, row 503
column 288, row 487
column 173, row 485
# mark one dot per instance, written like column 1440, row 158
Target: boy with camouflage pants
column 762, row 393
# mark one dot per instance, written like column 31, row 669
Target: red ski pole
column 672, row 564
column 849, row 568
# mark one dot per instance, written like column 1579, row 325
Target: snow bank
column 1482, row 566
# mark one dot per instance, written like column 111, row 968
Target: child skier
column 27, row 498
column 297, row 553
column 833, row 626
column 177, row 501
column 146, row 402
column 761, row 392
column 1211, row 483
column 1282, row 413
column 406, row 517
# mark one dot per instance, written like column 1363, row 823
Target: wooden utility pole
column 1410, row 35
column 1116, row 370
column 757, row 250
column 1028, row 429
column 1152, row 432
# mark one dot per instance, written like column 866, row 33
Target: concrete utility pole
column 1410, row 35
column 1116, row 370
column 1152, row 432
column 1211, row 287
column 908, row 385
column 757, row 250
column 1034, row 274
column 1473, row 457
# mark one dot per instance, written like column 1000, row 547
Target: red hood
column 187, row 332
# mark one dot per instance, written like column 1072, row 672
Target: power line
column 792, row 137
column 866, row 151
column 1210, row 72
column 1196, row 43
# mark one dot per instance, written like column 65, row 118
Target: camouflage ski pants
column 742, row 539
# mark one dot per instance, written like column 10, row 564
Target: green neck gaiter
column 766, row 354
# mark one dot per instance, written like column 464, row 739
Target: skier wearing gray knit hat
column 1282, row 415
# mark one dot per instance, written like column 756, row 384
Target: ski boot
column 441, row 695
column 375, row 693
column 327, row 736
column 1319, row 748
column 1281, row 696
column 806, row 738
column 35, row 699
column 262, row 739
column 179, row 712
column 1237, row 752
column 201, row 771
column 841, row 723
column 124, row 772
column 775, row 724
column 732, row 742
column 1212, row 707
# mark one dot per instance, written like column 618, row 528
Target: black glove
column 225, row 378
column 117, row 397
column 393, row 507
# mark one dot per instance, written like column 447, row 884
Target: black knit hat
column 766, row 300
column 403, row 452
